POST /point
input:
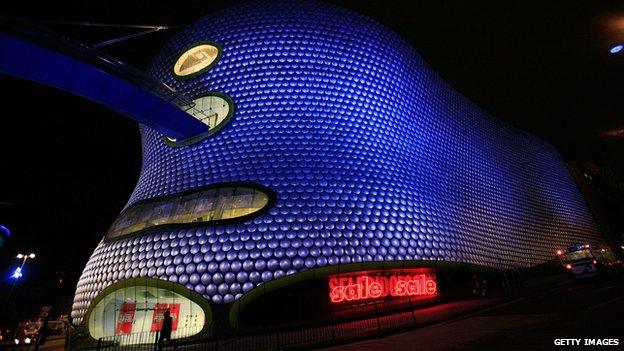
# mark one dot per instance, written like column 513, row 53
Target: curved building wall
column 372, row 157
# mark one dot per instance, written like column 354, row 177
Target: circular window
column 196, row 60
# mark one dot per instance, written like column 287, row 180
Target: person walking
column 165, row 330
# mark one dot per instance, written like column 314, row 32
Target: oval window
column 132, row 311
column 196, row 59
column 212, row 109
column 210, row 205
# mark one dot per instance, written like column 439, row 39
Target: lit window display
column 212, row 110
column 133, row 314
column 213, row 204
column 195, row 59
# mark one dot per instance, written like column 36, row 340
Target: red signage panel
column 125, row 319
column 370, row 285
column 159, row 315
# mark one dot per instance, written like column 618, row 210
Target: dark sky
column 69, row 165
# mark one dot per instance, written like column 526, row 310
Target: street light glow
column 25, row 256
column 17, row 273
column 616, row 49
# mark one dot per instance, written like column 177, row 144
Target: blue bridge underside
column 103, row 80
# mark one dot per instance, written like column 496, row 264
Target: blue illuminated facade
column 371, row 156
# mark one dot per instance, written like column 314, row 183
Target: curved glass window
column 195, row 60
column 212, row 110
column 133, row 314
column 209, row 205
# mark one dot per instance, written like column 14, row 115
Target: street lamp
column 24, row 258
column 17, row 274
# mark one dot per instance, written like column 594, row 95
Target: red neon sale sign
column 375, row 285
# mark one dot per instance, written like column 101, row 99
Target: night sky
column 69, row 165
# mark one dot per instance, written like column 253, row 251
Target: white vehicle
column 586, row 261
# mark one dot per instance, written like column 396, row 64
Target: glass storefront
column 217, row 203
column 133, row 314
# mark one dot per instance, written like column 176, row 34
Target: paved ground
column 53, row 344
column 591, row 309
